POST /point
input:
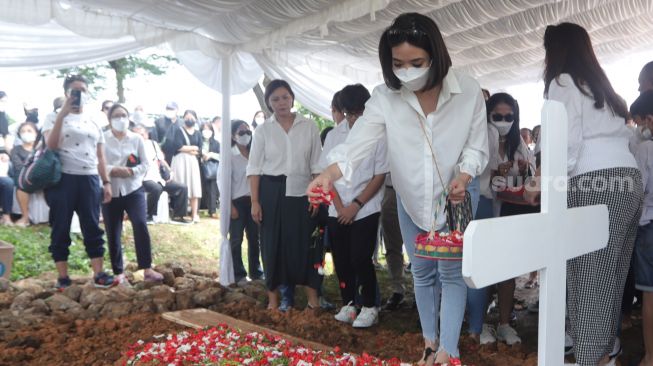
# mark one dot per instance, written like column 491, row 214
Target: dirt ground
column 101, row 342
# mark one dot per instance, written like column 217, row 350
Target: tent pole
column 226, row 265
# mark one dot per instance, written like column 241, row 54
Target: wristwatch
column 358, row 202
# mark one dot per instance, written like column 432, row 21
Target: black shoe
column 180, row 220
column 394, row 302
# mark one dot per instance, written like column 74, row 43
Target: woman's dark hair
column 254, row 123
column 643, row 105
column 513, row 139
column 647, row 72
column 420, row 31
column 274, row 85
column 71, row 79
column 191, row 112
column 30, row 124
column 235, row 124
column 205, row 124
column 569, row 50
column 116, row 106
column 335, row 102
column 353, row 98
column 324, row 133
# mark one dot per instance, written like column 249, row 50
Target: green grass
column 193, row 245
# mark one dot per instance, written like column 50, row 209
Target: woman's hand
column 458, row 187
column 120, row 172
column 257, row 212
column 234, row 212
column 67, row 107
column 504, row 168
column 322, row 181
column 347, row 214
column 106, row 193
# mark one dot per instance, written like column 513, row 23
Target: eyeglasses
column 496, row 117
column 244, row 132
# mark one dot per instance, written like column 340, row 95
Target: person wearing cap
column 162, row 125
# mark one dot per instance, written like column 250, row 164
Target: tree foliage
column 123, row 68
column 322, row 122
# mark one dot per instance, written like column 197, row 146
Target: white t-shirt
column 80, row 135
column 239, row 184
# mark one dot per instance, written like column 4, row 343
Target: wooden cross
column 502, row 248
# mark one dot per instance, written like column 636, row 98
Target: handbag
column 446, row 244
column 164, row 171
column 42, row 170
column 210, row 169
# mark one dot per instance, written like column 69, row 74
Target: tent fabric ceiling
column 499, row 42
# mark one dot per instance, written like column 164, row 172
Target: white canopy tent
column 317, row 45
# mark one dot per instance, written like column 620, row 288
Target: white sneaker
column 487, row 335
column 506, row 333
column 367, row 318
column 347, row 314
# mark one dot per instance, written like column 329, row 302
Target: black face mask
column 189, row 122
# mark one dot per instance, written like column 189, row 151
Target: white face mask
column 120, row 124
column 207, row 134
column 259, row 120
column 28, row 137
column 85, row 98
column 531, row 146
column 646, row 133
column 172, row 114
column 503, row 127
column 413, row 78
column 243, row 140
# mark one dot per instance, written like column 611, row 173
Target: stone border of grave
column 30, row 301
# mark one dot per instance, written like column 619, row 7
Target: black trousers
column 177, row 192
column 245, row 223
column 352, row 247
column 114, row 212
column 211, row 196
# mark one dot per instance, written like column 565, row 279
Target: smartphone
column 77, row 97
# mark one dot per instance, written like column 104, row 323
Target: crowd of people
column 397, row 159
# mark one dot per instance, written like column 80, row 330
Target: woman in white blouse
column 424, row 109
column 354, row 217
column 127, row 164
column 241, row 205
column 284, row 157
column 601, row 170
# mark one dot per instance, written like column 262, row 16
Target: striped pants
column 595, row 281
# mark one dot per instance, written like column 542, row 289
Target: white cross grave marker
column 502, row 248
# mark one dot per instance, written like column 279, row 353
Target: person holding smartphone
column 77, row 138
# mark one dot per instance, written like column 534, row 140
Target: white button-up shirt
column 457, row 129
column 374, row 164
column 116, row 152
column 239, row 185
column 294, row 154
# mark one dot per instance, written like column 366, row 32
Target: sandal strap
column 427, row 352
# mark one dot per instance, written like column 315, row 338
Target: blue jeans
column 431, row 279
column 477, row 298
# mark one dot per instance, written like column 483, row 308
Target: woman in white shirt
column 77, row 137
column 127, row 164
column 241, row 205
column 509, row 164
column 354, row 216
column 284, row 157
column 424, row 111
column 597, row 157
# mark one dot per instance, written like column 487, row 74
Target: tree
column 124, row 68
column 128, row 67
column 322, row 122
